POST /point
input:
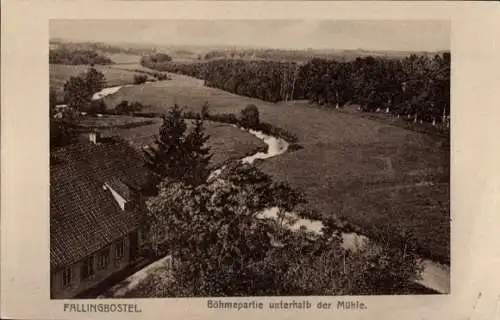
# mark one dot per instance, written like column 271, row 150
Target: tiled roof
column 84, row 217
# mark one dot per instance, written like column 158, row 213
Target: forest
column 416, row 87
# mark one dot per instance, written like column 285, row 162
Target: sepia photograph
column 240, row 158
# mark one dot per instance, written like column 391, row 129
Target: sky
column 318, row 34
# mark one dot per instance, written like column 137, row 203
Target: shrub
column 249, row 117
column 161, row 76
column 191, row 115
column 125, row 107
column 224, row 117
column 205, row 112
column 140, row 79
column 96, row 106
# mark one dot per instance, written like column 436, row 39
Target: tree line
column 416, row 87
column 64, row 55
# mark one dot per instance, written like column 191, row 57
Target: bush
column 96, row 106
column 205, row 112
column 191, row 115
column 161, row 76
column 249, row 117
column 224, row 117
column 140, row 79
column 269, row 129
column 125, row 108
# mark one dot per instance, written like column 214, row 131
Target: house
column 96, row 213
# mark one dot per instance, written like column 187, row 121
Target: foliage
column 205, row 110
column 52, row 101
column 166, row 157
column 65, row 55
column 157, row 58
column 221, row 245
column 63, row 121
column 103, row 47
column 96, row 107
column 177, row 154
column 161, row 76
column 94, row 80
column 61, row 133
column 418, row 86
column 213, row 231
column 78, row 91
column 124, row 107
column 249, row 117
column 140, row 79
column 198, row 157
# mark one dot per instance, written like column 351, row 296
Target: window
column 66, row 277
column 88, row 267
column 120, row 249
column 103, row 259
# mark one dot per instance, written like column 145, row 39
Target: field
column 344, row 158
column 226, row 142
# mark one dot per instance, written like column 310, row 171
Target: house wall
column 79, row 285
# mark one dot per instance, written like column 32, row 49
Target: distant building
column 96, row 213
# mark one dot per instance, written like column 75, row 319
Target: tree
column 167, row 157
column 214, row 232
column 249, row 117
column 76, row 93
column 95, row 80
column 65, row 55
column 198, row 155
column 416, row 84
column 96, row 107
column 205, row 111
column 140, row 79
column 53, row 101
column 286, row 198
column 62, row 127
